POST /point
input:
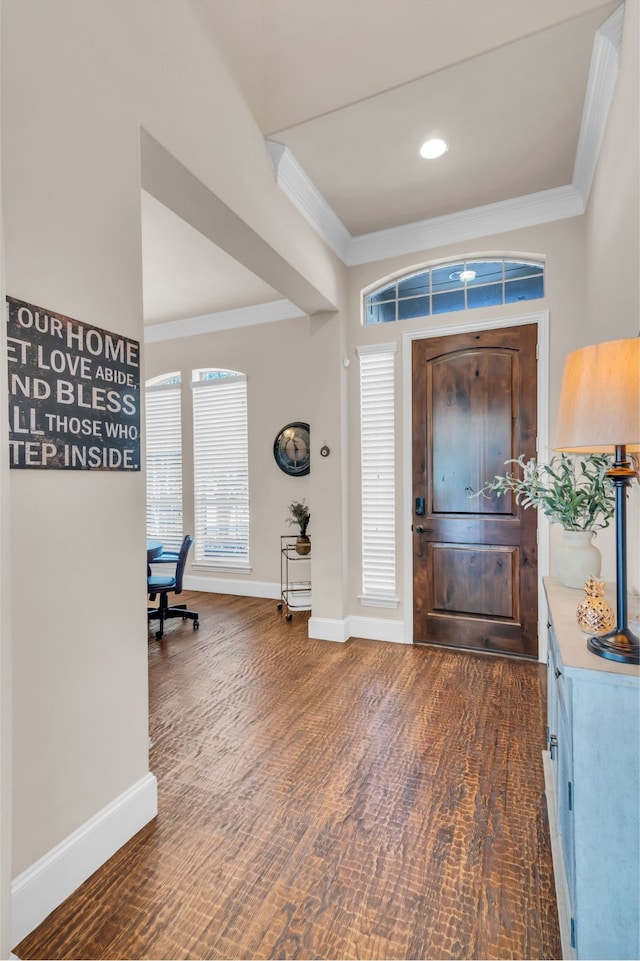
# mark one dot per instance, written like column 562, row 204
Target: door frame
column 541, row 319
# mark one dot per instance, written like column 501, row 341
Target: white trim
column 540, row 208
column 544, row 525
column 545, row 206
column 603, row 74
column 378, row 600
column 220, row 568
column 376, row 629
column 328, row 629
column 367, row 628
column 320, row 628
column 46, row 884
column 223, row 320
column 303, row 193
column 541, row 318
column 364, row 350
column 221, row 585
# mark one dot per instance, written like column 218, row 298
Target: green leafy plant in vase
column 571, row 490
column 300, row 515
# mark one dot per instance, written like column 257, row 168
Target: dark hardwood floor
column 319, row 800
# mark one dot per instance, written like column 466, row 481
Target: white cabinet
column 593, row 788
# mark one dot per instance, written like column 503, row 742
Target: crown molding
column 222, row 320
column 543, row 207
column 303, row 193
column 539, row 208
column 603, row 74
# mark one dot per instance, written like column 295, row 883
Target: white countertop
column 563, row 604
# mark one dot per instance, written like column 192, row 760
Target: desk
column 154, row 550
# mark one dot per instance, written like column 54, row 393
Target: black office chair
column 163, row 585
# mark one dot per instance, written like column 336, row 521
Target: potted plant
column 571, row 490
column 300, row 515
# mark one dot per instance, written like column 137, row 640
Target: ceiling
column 353, row 87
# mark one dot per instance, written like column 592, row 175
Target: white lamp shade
column 600, row 399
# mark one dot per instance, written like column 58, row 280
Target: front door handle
column 424, row 530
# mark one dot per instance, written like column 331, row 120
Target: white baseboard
column 369, row 628
column 223, row 585
column 328, row 629
column 320, row 628
column 376, row 629
column 46, row 884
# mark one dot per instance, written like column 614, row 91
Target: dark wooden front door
column 475, row 577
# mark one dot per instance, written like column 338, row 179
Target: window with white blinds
column 164, row 460
column 221, row 468
column 377, row 454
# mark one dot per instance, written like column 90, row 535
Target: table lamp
column 599, row 413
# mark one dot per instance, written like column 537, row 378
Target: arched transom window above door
column 459, row 285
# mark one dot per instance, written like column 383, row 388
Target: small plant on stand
column 300, row 515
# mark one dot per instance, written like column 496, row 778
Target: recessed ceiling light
column 431, row 149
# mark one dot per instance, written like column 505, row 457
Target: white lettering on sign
column 71, row 382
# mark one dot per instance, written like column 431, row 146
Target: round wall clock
column 291, row 449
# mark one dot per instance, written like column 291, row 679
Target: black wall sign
column 74, row 393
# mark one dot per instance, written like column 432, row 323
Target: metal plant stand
column 295, row 578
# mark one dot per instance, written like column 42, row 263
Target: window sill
column 220, row 567
column 379, row 600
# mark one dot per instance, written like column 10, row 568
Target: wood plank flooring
column 319, row 800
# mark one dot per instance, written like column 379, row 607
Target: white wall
column 79, row 81
column 612, row 252
column 294, row 372
column 72, row 235
column 612, row 255
column 5, row 654
column 275, row 359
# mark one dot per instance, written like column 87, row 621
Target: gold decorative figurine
column 595, row 614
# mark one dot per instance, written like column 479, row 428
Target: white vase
column 577, row 559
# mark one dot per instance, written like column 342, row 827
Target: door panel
column 471, row 420
column 463, row 579
column 475, row 558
